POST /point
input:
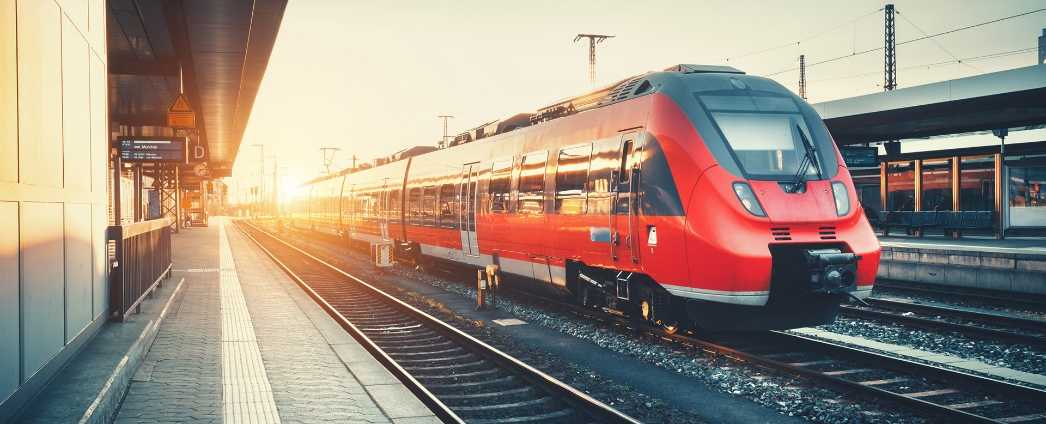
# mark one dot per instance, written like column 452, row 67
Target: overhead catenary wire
column 803, row 40
column 934, row 64
column 924, row 37
column 937, row 43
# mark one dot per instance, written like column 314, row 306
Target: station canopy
column 1006, row 99
column 214, row 51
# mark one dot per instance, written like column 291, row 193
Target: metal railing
column 142, row 260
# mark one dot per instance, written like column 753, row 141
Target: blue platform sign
column 152, row 149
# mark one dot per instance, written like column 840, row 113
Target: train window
column 626, row 151
column 448, row 206
column 571, row 176
column 531, row 198
column 414, row 206
column 500, row 181
column 605, row 159
column 428, row 206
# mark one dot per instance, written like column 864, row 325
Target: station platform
column 229, row 338
column 1015, row 265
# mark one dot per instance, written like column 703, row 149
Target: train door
column 467, row 192
column 383, row 210
column 351, row 207
column 623, row 219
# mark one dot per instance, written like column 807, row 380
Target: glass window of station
column 1026, row 182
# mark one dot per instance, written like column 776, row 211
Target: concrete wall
column 1020, row 273
column 53, row 155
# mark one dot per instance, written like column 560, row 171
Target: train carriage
column 697, row 196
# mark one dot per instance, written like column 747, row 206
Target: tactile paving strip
column 247, row 395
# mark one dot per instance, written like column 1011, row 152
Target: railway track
column 459, row 377
column 933, row 390
column 1031, row 302
column 996, row 326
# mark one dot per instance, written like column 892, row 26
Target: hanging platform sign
column 152, row 149
column 860, row 157
column 181, row 114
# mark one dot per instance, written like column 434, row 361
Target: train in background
column 694, row 197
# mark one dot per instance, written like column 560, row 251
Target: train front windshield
column 766, row 133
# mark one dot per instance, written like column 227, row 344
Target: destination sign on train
column 150, row 149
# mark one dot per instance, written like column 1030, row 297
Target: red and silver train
column 698, row 196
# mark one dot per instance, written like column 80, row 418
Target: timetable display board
column 860, row 157
column 152, row 149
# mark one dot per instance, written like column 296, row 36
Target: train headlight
column 748, row 200
column 842, row 198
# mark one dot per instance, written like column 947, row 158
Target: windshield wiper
column 809, row 158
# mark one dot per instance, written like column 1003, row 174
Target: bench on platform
column 948, row 221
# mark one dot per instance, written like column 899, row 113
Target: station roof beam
column 1006, row 99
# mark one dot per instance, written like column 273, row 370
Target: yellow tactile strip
column 247, row 395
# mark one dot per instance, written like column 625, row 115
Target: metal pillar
column 138, row 215
column 890, row 50
column 999, row 163
column 802, row 76
column 167, row 186
column 1000, row 173
column 956, row 181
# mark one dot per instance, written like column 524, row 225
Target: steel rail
column 932, row 324
column 945, row 377
column 967, row 314
column 581, row 401
column 882, row 361
column 1027, row 300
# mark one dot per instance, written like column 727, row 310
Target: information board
column 152, row 149
column 860, row 157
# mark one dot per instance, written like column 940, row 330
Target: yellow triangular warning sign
column 181, row 104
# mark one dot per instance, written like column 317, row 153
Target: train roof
column 622, row 90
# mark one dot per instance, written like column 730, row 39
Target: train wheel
column 646, row 310
column 670, row 329
column 648, row 313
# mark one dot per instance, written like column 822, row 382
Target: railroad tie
column 929, row 393
column 1022, row 418
column 968, row 405
column 845, row 372
column 883, row 382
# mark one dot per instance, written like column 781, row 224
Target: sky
column 370, row 78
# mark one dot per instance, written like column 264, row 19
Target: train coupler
column 831, row 271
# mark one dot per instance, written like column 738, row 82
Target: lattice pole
column 802, row 76
column 890, row 50
column 593, row 39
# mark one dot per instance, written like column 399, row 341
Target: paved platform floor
column 243, row 343
column 1033, row 246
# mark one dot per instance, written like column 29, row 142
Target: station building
column 972, row 148
column 75, row 78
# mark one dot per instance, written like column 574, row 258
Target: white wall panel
column 8, row 94
column 9, row 352
column 42, row 290
column 76, row 12
column 100, row 289
column 79, row 281
column 40, row 81
column 76, row 104
column 96, row 26
column 99, row 111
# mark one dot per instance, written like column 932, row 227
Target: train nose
column 815, row 204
